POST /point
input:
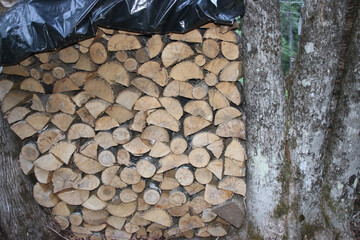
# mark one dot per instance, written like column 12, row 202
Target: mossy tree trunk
column 301, row 177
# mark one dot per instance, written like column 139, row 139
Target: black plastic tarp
column 44, row 25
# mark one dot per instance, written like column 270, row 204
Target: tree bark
column 21, row 216
column 265, row 114
column 342, row 157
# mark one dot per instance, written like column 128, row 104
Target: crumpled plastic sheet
column 32, row 26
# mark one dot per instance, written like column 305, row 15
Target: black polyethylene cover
column 44, row 25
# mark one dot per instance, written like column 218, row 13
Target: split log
column 158, row 216
column 217, row 100
column 34, row 73
column 232, row 128
column 106, row 192
column 154, row 71
column 230, row 91
column 131, row 228
column 145, row 168
column 128, row 97
column 235, row 151
column 154, row 45
column 226, row 114
column 215, row 33
column 162, row 118
column 187, row 223
column 127, row 195
column 179, row 211
column 172, row 106
column 114, row 73
column 89, row 182
column 105, row 140
column 216, row 167
column 216, row 196
column 121, row 56
column 62, row 221
column 200, row 60
column 217, row 229
column 199, row 108
column 186, row 70
column 96, row 107
column 87, row 165
column 17, row 114
column 234, row 168
column 60, row 102
column 42, row 176
column 98, row 53
column 234, row 184
column 89, row 149
column 193, row 124
column 116, row 222
column 230, row 50
column 159, row 149
column 172, row 161
column 79, row 78
column 121, row 135
column 210, row 48
column 146, row 86
column 175, row 52
column 94, row 217
column 216, row 65
column 23, row 130
column 169, row 183
column 130, row 176
column 106, row 158
column 85, row 116
column 178, row 88
column 123, row 157
column 48, row 138
column 28, row 61
column 26, row 166
column 44, row 57
column 105, row 123
column 95, row 228
column 94, row 203
column 194, row 188
column 32, row 85
column 64, row 85
column 44, row 195
column 108, row 175
column 198, row 205
column 137, row 146
column 123, row 42
column 231, row 72
column 12, row 99
column 37, row 104
column 119, row 113
column 80, row 130
column 207, row 215
column 178, row 145
column 111, row 233
column 122, row 210
column 193, row 36
column 15, row 70
column 146, row 103
column 63, row 151
column 139, row 187
column 184, row 176
column 30, row 152
column 199, row 157
column 100, row 89
column 156, row 133
column 74, row 197
column 69, row 55
column 231, row 212
column 203, row 139
column 139, row 122
column 84, row 63
column 203, row 175
column 81, row 98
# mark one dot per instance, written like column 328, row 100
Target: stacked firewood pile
column 130, row 134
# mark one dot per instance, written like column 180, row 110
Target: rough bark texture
column 342, row 157
column 265, row 100
column 310, row 90
column 21, row 216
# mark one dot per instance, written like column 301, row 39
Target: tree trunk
column 265, row 113
column 21, row 216
column 342, row 157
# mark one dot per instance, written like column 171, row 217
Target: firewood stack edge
column 133, row 135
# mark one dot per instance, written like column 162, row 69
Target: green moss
column 254, row 234
column 309, row 230
column 281, row 209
